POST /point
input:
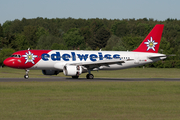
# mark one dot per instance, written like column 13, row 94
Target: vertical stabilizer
column 152, row 42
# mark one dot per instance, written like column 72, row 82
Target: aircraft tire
column 26, row 76
column 89, row 76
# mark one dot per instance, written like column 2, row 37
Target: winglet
column 152, row 42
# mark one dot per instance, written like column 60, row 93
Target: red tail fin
column 152, row 41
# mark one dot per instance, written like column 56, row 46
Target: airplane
column 75, row 62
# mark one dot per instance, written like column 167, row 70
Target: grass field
column 90, row 100
column 95, row 100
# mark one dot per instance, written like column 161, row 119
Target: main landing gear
column 89, row 76
column 26, row 76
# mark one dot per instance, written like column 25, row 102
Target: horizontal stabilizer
column 157, row 56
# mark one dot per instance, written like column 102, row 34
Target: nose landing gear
column 26, row 76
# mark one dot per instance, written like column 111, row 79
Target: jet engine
column 72, row 70
column 50, row 72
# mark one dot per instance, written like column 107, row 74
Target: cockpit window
column 16, row 56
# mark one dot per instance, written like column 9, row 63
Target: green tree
column 41, row 31
column 21, row 42
column 45, row 42
column 73, row 38
column 142, row 29
column 165, row 46
column 1, row 31
column 120, row 28
column 86, row 33
column 95, row 25
column 6, row 27
column 4, row 53
column 7, row 41
column 16, row 27
column 68, row 24
column 30, row 34
column 56, row 46
column 101, row 38
column 132, row 43
column 115, row 43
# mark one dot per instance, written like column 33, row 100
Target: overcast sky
column 109, row 9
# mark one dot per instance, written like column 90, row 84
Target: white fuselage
column 57, row 59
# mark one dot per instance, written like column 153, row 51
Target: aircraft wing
column 101, row 62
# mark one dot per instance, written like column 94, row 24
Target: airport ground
column 150, row 94
column 6, row 72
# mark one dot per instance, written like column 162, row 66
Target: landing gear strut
column 26, row 76
column 89, row 76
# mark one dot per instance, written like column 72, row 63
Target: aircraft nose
column 10, row 62
column 6, row 62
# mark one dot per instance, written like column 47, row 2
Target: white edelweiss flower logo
column 30, row 57
column 151, row 44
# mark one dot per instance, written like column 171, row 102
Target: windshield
column 16, row 56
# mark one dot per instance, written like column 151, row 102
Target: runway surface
column 52, row 79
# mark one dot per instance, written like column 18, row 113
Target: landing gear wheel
column 89, row 76
column 26, row 76
column 75, row 77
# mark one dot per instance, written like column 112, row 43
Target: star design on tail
column 151, row 44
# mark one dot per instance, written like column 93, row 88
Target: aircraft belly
column 44, row 65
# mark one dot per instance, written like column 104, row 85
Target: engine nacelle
column 72, row 70
column 50, row 72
